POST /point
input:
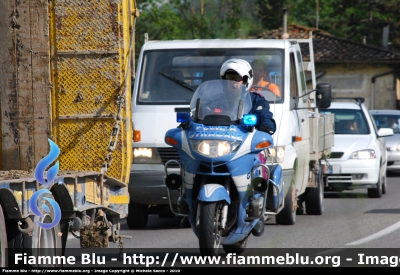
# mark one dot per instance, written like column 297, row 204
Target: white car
column 390, row 119
column 358, row 158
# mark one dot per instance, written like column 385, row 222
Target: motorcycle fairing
column 213, row 192
column 243, row 227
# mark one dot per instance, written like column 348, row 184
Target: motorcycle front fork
column 224, row 213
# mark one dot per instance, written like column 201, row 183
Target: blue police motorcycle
column 224, row 180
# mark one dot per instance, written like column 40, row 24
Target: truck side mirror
column 324, row 95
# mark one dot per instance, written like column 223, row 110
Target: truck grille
column 169, row 153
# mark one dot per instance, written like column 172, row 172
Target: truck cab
column 167, row 75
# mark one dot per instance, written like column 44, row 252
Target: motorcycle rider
column 241, row 72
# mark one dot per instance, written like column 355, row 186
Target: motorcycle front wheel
column 209, row 228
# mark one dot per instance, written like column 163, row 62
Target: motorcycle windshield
column 220, row 102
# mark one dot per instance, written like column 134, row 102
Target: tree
column 158, row 19
column 188, row 19
column 351, row 19
column 215, row 18
column 270, row 13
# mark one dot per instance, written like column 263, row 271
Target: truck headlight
column 146, row 156
column 277, row 153
column 214, row 148
column 363, row 154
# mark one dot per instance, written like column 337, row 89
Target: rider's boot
column 258, row 229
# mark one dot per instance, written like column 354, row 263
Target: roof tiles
column 328, row 48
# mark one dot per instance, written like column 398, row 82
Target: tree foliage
column 159, row 21
column 356, row 20
column 200, row 19
column 270, row 13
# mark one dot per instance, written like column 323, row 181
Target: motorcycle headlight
column 146, row 156
column 214, row 148
column 277, row 153
column 363, row 154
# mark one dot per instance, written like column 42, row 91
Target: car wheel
column 376, row 192
column 138, row 215
column 384, row 188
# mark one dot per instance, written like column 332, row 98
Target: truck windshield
column 170, row 77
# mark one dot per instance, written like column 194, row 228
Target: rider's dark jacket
column 265, row 120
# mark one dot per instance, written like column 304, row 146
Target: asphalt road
column 350, row 219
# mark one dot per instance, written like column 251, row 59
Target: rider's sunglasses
column 235, row 77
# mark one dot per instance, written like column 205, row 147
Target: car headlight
column 363, row 154
column 277, row 153
column 393, row 148
column 214, row 148
column 146, row 156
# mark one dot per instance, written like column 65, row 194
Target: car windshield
column 220, row 102
column 387, row 121
column 349, row 122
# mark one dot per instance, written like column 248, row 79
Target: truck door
column 299, row 109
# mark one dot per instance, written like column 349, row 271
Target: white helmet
column 240, row 66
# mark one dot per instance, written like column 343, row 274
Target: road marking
column 377, row 235
column 372, row 237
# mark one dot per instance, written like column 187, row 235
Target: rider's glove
column 266, row 129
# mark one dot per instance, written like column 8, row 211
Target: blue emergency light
column 250, row 120
column 182, row 117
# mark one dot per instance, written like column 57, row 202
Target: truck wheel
column 3, row 239
column 314, row 197
column 138, row 215
column 287, row 216
column 46, row 242
column 41, row 241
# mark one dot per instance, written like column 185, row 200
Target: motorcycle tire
column 210, row 232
